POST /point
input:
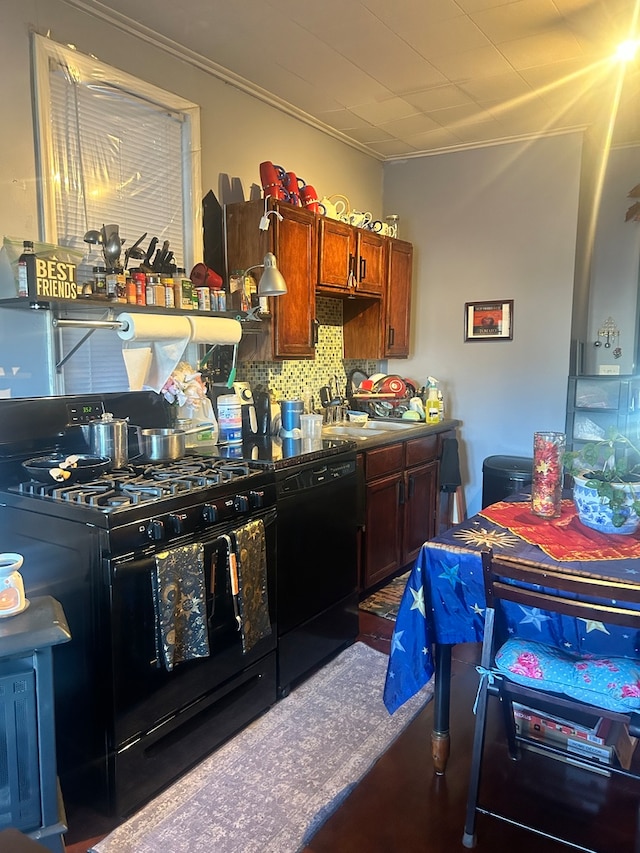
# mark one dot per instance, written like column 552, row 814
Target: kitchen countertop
column 379, row 432
column 276, row 453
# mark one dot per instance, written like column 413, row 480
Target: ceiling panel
column 406, row 77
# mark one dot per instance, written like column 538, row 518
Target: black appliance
column 125, row 725
column 317, row 563
column 318, row 498
column 249, row 416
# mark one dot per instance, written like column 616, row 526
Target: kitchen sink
column 369, row 429
column 353, row 431
column 398, row 424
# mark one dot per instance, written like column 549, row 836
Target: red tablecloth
column 563, row 538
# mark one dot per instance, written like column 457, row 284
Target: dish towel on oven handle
column 253, row 600
column 179, row 598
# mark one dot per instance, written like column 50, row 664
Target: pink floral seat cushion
column 612, row 683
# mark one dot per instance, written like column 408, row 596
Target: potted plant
column 606, row 489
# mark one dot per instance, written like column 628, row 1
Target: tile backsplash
column 288, row 379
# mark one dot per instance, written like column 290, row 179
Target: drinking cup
column 293, row 184
column 311, row 426
column 309, row 199
column 360, row 219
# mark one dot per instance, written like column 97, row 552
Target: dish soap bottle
column 432, row 407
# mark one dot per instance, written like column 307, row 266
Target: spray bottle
column 432, row 406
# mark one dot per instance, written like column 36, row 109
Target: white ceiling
column 402, row 77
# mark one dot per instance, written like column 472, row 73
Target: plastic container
column 433, row 406
column 311, row 425
column 230, row 418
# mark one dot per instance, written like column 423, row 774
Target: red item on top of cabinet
column 202, row 276
column 293, row 185
column 271, row 178
column 309, row 199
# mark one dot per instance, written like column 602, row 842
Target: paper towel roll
column 214, row 330
column 164, row 337
column 153, row 327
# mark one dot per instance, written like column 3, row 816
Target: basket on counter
column 380, row 405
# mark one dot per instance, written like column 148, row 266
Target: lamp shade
column 272, row 282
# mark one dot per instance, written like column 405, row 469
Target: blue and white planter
column 594, row 511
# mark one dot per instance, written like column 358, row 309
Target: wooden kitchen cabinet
column 374, row 329
column 397, row 304
column 293, row 240
column 401, row 505
column 382, row 535
column 351, row 261
column 421, row 495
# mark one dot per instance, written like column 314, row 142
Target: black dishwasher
column 317, row 598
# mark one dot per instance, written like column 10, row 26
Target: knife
column 150, row 250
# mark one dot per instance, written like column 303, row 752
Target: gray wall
column 238, row 131
column 492, row 223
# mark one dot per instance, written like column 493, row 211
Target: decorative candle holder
column 546, row 486
column 12, row 598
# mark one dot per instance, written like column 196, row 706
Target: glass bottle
column 100, row 282
column 392, row 224
column 24, row 263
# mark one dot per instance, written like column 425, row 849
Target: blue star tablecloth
column 444, row 602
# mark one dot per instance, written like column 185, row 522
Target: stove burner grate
column 141, row 483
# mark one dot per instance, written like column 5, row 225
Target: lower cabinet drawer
column 384, row 460
column 420, row 450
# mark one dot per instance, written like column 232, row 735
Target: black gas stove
column 126, row 725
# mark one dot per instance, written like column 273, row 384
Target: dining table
column 443, row 603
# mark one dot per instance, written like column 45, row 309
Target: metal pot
column 109, row 437
column 161, row 445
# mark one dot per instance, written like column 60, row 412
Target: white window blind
column 117, row 159
column 112, row 150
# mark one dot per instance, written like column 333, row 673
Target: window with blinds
column 111, row 149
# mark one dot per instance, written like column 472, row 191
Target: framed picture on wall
column 488, row 321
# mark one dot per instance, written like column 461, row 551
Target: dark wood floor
column 402, row 807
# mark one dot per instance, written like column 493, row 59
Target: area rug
column 386, row 601
column 270, row 788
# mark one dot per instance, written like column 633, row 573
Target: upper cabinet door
column 293, row 240
column 371, row 263
column 398, row 299
column 336, row 254
column 295, row 249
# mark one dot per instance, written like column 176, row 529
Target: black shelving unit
column 596, row 403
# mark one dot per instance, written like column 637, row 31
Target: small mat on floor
column 270, row 788
column 386, row 601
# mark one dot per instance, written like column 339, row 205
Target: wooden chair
column 594, row 599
